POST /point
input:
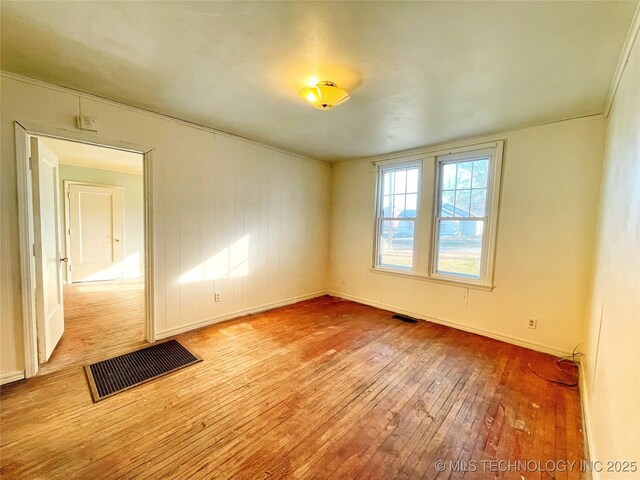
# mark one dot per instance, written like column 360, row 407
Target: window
column 397, row 213
column 463, row 224
column 451, row 238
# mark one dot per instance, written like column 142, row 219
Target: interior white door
column 47, row 242
column 95, row 215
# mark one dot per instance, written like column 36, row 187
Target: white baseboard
column 238, row 313
column 589, row 444
column 11, row 377
column 268, row 306
column 539, row 347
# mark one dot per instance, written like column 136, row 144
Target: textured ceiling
column 419, row 72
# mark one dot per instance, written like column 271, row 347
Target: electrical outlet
column 342, row 282
column 218, row 296
column 532, row 323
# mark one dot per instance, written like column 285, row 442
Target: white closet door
column 95, row 215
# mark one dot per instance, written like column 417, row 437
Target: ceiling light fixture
column 325, row 95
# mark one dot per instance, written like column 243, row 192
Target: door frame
column 23, row 132
column 67, row 210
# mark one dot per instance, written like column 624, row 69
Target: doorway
column 88, row 208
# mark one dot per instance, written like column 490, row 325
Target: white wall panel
column 611, row 379
column 207, row 187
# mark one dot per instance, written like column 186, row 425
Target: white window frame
column 490, row 219
column 379, row 218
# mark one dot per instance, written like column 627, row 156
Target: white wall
column 133, row 201
column 213, row 194
column 549, row 196
column 611, row 383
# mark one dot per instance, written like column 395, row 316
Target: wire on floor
column 573, row 360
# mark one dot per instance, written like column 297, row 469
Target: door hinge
column 33, row 249
column 30, row 163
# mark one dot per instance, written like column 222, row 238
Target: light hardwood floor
column 322, row 389
column 100, row 319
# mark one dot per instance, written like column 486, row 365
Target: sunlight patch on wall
column 232, row 262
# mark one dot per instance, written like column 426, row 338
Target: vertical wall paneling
column 221, row 207
column 207, row 187
column 190, row 277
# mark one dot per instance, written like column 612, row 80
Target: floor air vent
column 405, row 318
column 123, row 372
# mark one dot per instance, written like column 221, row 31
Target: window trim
column 430, row 279
column 491, row 214
column 378, row 218
column 432, row 154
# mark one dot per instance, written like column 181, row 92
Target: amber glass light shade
column 325, row 95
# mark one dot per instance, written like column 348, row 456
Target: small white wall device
column 87, row 123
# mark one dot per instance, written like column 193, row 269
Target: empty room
column 305, row 240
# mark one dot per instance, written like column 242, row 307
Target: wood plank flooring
column 101, row 319
column 321, row 389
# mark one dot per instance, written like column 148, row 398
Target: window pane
column 400, row 183
column 396, row 243
column 480, row 173
column 463, row 178
column 387, row 183
column 412, row 180
column 398, row 205
column 449, row 176
column 446, row 203
column 398, row 201
column 463, row 197
column 478, row 202
column 387, row 206
column 411, row 206
column 460, row 247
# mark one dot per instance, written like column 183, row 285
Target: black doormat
column 126, row 371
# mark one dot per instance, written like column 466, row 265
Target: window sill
column 444, row 281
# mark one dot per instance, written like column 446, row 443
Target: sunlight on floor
column 110, row 286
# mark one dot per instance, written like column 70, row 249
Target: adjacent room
column 306, row 240
column 99, row 278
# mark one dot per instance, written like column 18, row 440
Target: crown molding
column 81, row 94
column 462, row 142
column 627, row 48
